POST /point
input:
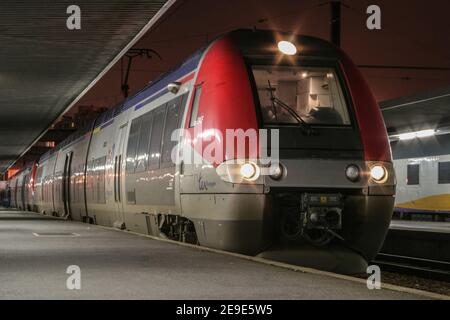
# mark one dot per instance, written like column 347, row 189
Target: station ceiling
column 428, row 110
column 45, row 67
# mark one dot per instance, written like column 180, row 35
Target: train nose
column 366, row 222
column 334, row 232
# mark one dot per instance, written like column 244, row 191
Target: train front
column 324, row 159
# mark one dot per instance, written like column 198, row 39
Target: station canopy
column 423, row 111
column 45, row 67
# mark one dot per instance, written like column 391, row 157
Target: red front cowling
column 226, row 100
column 373, row 130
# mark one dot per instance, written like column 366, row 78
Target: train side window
column 444, row 173
column 413, row 172
column 101, row 164
column 144, row 140
column 133, row 140
column 155, row 139
column 38, row 175
column 172, row 123
column 92, row 185
column 195, row 104
column 97, row 181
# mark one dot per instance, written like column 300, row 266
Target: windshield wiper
column 306, row 128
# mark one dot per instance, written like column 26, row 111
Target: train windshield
column 300, row 95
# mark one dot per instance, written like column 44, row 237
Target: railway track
column 430, row 269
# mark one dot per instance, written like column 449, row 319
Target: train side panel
column 77, row 178
column 422, row 165
column 422, row 192
column 13, row 187
column 101, row 176
column 44, row 184
column 150, row 176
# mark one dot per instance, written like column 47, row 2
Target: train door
column 66, row 183
column 16, row 186
column 118, row 179
column 23, row 192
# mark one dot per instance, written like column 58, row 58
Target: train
column 422, row 165
column 4, row 194
column 315, row 169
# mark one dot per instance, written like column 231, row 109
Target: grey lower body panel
column 365, row 222
column 247, row 237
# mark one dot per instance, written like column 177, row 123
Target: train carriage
column 326, row 182
column 20, row 189
column 422, row 165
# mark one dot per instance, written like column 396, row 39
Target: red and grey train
column 332, row 187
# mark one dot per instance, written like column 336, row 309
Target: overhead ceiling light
column 425, row 133
column 407, row 136
column 417, row 134
column 287, row 48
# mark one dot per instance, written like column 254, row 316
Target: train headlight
column 352, row 173
column 240, row 171
column 287, row 48
column 250, row 171
column 378, row 173
column 276, row 171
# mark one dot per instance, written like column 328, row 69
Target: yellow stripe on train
column 439, row 202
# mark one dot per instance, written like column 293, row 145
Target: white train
column 422, row 166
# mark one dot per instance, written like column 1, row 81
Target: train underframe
column 335, row 231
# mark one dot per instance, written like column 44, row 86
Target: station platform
column 425, row 226
column 36, row 250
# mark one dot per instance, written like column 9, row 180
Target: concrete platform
column 429, row 226
column 35, row 253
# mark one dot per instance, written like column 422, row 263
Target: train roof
column 251, row 42
column 150, row 89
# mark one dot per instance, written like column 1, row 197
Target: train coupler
column 322, row 211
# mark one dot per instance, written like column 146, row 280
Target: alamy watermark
column 73, row 22
column 374, row 20
column 374, row 279
column 213, row 146
column 73, row 282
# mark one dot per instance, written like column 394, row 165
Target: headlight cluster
column 250, row 171
column 352, row 173
column 239, row 171
column 242, row 171
column 276, row 171
column 378, row 173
